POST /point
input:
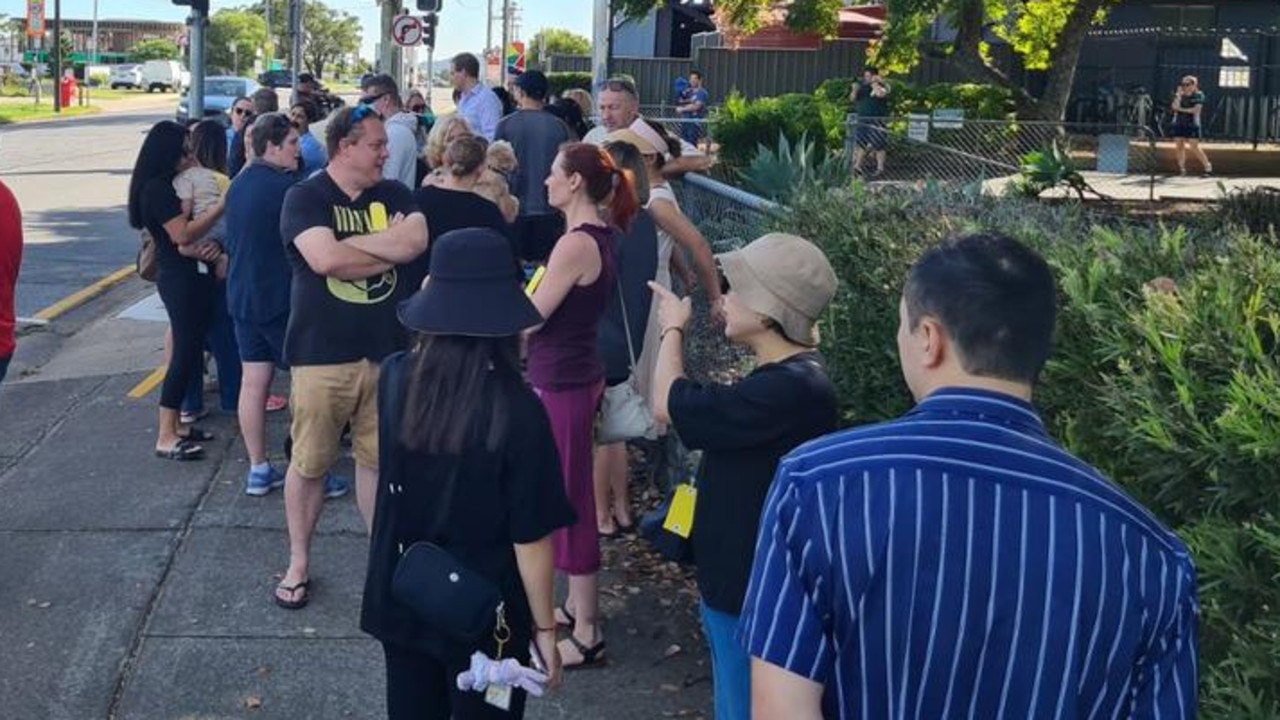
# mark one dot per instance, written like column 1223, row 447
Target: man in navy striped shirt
column 956, row 562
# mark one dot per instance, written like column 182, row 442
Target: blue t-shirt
column 259, row 277
column 699, row 95
column 314, row 156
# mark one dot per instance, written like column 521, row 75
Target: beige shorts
column 323, row 399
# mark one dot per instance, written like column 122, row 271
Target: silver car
column 220, row 92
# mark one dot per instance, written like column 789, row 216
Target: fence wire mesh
column 1118, row 161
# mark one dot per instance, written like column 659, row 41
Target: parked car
column 125, row 76
column 162, row 75
column 276, row 79
column 220, row 92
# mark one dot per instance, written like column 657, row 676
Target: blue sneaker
column 335, row 486
column 260, row 483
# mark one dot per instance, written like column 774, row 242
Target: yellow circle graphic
column 369, row 291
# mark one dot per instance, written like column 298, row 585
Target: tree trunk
column 1061, row 75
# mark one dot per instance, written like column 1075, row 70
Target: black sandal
column 195, row 434
column 569, row 619
column 185, row 450
column 298, row 602
column 592, row 657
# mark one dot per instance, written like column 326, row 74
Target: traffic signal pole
column 57, row 56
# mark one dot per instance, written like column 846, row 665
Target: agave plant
column 1047, row 169
column 779, row 173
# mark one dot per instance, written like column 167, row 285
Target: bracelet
column 674, row 328
column 544, row 629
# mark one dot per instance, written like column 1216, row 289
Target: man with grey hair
column 382, row 93
column 618, row 101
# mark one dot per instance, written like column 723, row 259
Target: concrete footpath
column 133, row 587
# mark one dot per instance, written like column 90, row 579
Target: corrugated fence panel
column 568, row 63
column 763, row 73
column 655, row 77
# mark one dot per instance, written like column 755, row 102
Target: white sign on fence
column 918, row 127
column 948, row 119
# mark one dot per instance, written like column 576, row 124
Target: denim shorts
column 262, row 342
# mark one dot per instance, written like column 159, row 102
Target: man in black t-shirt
column 871, row 104
column 346, row 231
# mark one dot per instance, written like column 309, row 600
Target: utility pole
column 93, row 42
column 602, row 40
column 57, row 55
column 296, row 8
column 488, row 30
column 506, row 39
column 195, row 98
column 271, row 46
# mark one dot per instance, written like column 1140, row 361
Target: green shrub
column 558, row 82
column 99, row 79
column 979, row 102
column 836, row 91
column 1165, row 375
column 742, row 126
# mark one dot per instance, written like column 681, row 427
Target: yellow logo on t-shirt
column 370, row 290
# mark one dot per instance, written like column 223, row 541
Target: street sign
column 35, row 18
column 406, row 30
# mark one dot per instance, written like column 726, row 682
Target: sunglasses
column 241, row 111
column 417, row 108
column 371, row 99
column 619, row 85
column 362, row 112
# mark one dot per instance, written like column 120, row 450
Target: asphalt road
column 71, row 179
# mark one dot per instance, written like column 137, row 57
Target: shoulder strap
column 626, row 322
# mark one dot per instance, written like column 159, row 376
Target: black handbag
column 446, row 594
column 430, row 581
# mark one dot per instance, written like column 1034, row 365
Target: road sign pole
column 195, row 95
column 57, row 55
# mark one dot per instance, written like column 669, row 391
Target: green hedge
column 741, row 125
column 1166, row 376
column 561, row 81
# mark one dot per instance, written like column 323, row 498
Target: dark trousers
column 421, row 687
column 190, row 303
column 4, row 366
column 221, row 341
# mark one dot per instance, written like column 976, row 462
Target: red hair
column 603, row 180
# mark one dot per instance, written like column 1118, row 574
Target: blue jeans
column 730, row 665
column 221, row 341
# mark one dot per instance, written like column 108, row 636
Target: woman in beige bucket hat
column 774, row 291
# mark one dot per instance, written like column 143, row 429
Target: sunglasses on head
column 371, row 99
column 619, row 85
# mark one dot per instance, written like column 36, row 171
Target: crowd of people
column 459, row 301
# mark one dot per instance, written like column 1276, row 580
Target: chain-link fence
column 1117, row 161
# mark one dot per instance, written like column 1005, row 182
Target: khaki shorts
column 323, row 399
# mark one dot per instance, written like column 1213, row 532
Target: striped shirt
column 957, row 563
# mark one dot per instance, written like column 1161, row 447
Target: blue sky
column 461, row 21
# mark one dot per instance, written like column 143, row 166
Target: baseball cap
column 534, row 84
column 783, row 277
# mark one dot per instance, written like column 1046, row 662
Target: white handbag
column 624, row 414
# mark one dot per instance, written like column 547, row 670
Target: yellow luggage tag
column 680, row 513
column 535, row 281
column 377, row 216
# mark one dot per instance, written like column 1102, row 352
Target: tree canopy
column 159, row 49
column 327, row 34
column 246, row 29
column 556, row 41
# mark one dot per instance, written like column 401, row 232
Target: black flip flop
column 185, row 450
column 592, row 657
column 296, row 604
column 195, row 434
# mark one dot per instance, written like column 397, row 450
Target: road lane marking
column 82, row 296
column 150, row 383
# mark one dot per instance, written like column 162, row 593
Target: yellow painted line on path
column 148, row 384
column 80, row 297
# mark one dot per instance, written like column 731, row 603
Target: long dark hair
column 209, row 145
column 161, row 151
column 459, row 393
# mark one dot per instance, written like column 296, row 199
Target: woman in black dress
column 469, row 463
column 186, row 279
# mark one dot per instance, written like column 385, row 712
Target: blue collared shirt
column 956, row 563
column 482, row 109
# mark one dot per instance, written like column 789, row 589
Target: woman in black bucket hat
column 468, row 462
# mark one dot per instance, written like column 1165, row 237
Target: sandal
column 592, row 657
column 298, row 602
column 183, row 451
column 569, row 620
column 186, row 417
column 195, row 434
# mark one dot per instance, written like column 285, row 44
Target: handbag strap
column 626, row 324
column 396, row 390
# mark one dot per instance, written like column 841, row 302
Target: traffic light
column 201, row 6
column 429, row 29
column 429, row 6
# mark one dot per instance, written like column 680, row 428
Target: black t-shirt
column 334, row 321
column 513, row 495
column 447, row 210
column 744, row 429
column 869, row 106
column 160, row 204
column 636, row 252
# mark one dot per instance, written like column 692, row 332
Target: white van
column 162, row 75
